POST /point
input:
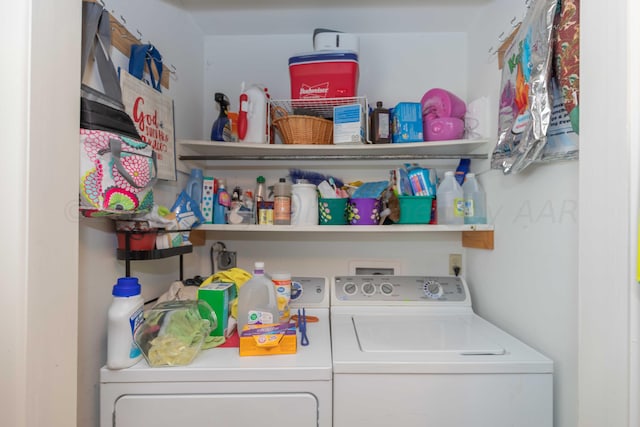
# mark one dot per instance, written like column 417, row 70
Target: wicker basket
column 297, row 129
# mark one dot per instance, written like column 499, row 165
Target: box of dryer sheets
column 406, row 121
column 219, row 296
column 263, row 340
column 349, row 124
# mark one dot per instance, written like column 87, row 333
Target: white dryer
column 409, row 351
column 221, row 388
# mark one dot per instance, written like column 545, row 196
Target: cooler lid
column 324, row 56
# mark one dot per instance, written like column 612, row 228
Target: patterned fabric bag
column 116, row 174
column 117, row 169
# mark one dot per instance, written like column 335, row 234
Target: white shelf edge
column 396, row 228
column 457, row 148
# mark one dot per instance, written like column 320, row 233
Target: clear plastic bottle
column 257, row 300
column 282, row 203
column 475, row 204
column 123, row 317
column 450, row 201
column 260, row 195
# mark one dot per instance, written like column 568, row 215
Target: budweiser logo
column 316, row 91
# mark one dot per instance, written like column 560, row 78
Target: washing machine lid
column 379, row 342
column 410, row 334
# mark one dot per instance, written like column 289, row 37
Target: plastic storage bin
column 332, row 211
column 173, row 332
column 415, row 209
column 142, row 237
column 364, row 211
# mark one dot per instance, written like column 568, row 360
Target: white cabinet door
column 229, row 410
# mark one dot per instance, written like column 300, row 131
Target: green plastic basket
column 415, row 209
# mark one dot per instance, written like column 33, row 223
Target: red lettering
column 138, row 114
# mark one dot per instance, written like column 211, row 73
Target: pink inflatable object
column 443, row 129
column 439, row 103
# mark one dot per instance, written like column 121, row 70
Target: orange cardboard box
column 263, row 340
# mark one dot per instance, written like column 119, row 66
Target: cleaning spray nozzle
column 222, row 99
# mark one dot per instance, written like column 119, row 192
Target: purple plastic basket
column 364, row 211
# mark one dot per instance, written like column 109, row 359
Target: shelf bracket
column 477, row 239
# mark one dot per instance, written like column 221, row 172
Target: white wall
column 393, row 67
column 528, row 285
column 38, row 171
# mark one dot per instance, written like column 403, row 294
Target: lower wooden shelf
column 478, row 236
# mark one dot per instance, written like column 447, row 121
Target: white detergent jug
column 253, row 117
column 304, row 204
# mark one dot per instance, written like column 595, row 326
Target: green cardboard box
column 219, row 296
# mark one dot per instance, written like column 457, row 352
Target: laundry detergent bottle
column 253, row 115
column 125, row 314
column 194, row 185
column 221, row 204
column 257, row 300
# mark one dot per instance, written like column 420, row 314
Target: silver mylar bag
column 525, row 91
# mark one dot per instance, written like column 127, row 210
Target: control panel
column 309, row 292
column 376, row 288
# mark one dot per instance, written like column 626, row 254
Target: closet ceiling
column 268, row 17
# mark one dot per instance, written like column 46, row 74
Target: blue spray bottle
column 222, row 123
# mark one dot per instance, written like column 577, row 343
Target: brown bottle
column 380, row 125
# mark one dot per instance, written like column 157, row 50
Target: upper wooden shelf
column 210, row 150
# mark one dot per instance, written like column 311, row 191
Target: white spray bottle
column 253, row 117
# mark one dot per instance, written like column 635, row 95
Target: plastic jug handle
column 295, row 205
column 242, row 116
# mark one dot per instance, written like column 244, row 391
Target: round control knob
column 386, row 288
column 350, row 288
column 432, row 289
column 368, row 288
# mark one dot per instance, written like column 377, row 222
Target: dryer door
column 230, row 410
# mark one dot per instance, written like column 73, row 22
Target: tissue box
column 263, row 340
column 348, row 124
column 219, row 296
column 406, row 120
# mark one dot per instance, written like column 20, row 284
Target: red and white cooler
column 324, row 74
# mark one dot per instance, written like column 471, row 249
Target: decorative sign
column 152, row 112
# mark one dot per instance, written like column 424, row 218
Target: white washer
column 410, row 351
column 221, row 388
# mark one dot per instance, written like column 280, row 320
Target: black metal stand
column 128, row 255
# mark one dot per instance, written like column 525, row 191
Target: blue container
column 406, row 121
column 194, row 185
